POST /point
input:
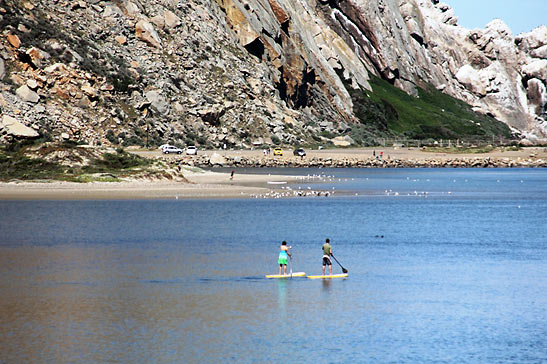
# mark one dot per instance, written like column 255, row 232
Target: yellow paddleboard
column 297, row 274
column 329, row 276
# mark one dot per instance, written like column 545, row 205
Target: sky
column 520, row 15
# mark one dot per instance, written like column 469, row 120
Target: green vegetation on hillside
column 24, row 164
column 18, row 166
column 431, row 115
column 115, row 162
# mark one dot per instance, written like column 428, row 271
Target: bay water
column 445, row 266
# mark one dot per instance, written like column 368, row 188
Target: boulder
column 342, row 141
column 57, row 67
column 171, row 21
column 470, row 78
column 84, row 102
column 530, row 41
column 32, row 84
column 540, row 52
column 213, row 114
column 536, row 69
column 217, row 159
column 157, row 101
column 16, row 128
column 89, row 91
column 131, row 8
column 145, row 31
column 121, row 39
column 14, row 40
column 27, row 95
column 158, row 21
column 37, row 56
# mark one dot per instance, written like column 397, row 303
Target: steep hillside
column 243, row 73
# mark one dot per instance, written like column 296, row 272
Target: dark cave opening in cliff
column 281, row 86
column 256, row 48
column 418, row 38
column 302, row 96
column 285, row 27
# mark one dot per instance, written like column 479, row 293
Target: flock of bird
column 287, row 191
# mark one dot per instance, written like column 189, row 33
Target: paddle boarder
column 284, row 254
column 327, row 252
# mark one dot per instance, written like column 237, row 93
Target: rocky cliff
column 243, row 73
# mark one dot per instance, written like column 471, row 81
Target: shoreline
column 217, row 185
column 202, row 185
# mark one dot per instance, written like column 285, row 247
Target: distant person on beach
column 327, row 252
column 232, row 174
column 283, row 256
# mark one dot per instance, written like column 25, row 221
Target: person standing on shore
column 284, row 254
column 327, row 252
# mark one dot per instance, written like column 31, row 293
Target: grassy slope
column 431, row 115
column 16, row 165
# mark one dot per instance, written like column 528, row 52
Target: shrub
column 275, row 140
column 111, row 137
column 120, row 160
column 17, row 166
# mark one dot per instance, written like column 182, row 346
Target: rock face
column 232, row 72
column 414, row 41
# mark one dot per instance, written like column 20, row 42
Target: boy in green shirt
column 327, row 252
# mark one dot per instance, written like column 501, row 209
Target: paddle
column 290, row 266
column 344, row 270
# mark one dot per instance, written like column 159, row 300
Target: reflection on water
column 459, row 279
column 326, row 284
column 282, row 298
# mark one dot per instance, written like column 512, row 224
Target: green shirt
column 327, row 250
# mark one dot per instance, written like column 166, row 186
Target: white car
column 191, row 150
column 171, row 149
column 162, row 147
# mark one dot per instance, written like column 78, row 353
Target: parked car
column 163, row 146
column 191, row 150
column 171, row 149
column 278, row 151
column 299, row 152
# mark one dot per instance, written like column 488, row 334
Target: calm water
column 446, row 266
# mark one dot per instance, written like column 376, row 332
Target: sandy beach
column 202, row 185
column 207, row 184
